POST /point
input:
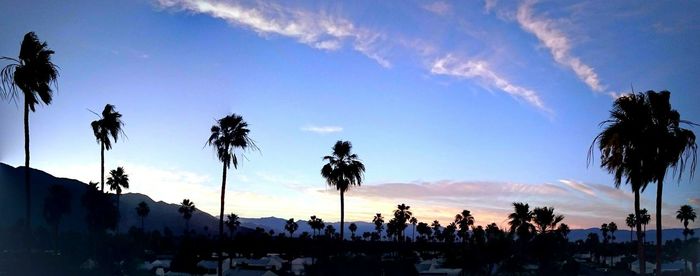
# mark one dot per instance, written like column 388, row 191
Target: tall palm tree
column 109, row 124
column 117, row 180
column 644, row 219
column 623, row 146
column 402, row 215
column 344, row 169
column 353, row 228
column 30, row 74
column 612, row 227
column 672, row 147
column 605, row 230
column 232, row 223
column 631, row 222
column 186, row 209
column 464, row 220
column 142, row 210
column 228, row 134
column 545, row 218
column 413, row 221
column 520, row 221
column 291, row 226
column 686, row 214
column 436, row 229
column 378, row 221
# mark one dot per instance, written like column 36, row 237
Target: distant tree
column 449, row 232
column 564, row 230
column 604, row 230
column 186, row 209
column 612, row 227
column 378, row 221
column 393, row 229
column 142, row 211
column 117, row 180
column 56, row 204
column 464, row 220
column 330, row 231
column 413, row 222
column 366, row 235
column 353, row 228
column 631, row 222
column 402, row 214
column 520, row 221
column 109, row 124
column 316, row 224
column 644, row 219
column 291, row 226
column 31, row 74
column 437, row 233
column 686, row 214
column 232, row 223
column 228, row 134
column 344, row 169
column 101, row 214
column 424, row 230
column 479, row 236
column 545, row 218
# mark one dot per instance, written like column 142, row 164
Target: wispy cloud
column 319, row 30
column 578, row 186
column 438, row 7
column 694, row 201
column 322, row 129
column 558, row 44
column 452, row 66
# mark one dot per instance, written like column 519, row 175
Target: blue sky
column 451, row 105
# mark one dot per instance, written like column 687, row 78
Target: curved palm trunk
column 342, row 214
column 102, row 166
column 221, row 222
column 28, row 214
column 640, row 243
column 659, row 191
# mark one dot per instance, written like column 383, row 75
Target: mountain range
column 165, row 214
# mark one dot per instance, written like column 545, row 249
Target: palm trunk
column 659, row 191
column 118, row 213
column 631, row 232
column 102, row 166
column 221, row 221
column 342, row 214
column 685, row 241
column 28, row 214
column 640, row 243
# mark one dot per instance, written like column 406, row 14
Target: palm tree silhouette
column 232, row 223
column 378, row 221
column 564, row 230
column 186, row 209
column 604, row 230
column 464, row 220
column 644, row 219
column 32, row 74
column 624, row 147
column 316, row 224
column 437, row 234
column 413, row 221
column 353, row 228
column 545, row 218
column 142, row 211
column 330, row 231
column 343, row 170
column 685, row 214
column 672, row 146
column 631, row 222
column 109, row 124
column 424, row 230
column 291, row 227
column 612, row 227
column 402, row 215
column 520, row 221
column 57, row 204
column 117, row 180
column 229, row 133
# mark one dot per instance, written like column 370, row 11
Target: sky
column 451, row 105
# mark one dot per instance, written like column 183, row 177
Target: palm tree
column 353, row 228
column 520, row 221
column 631, row 222
column 672, row 147
column 402, row 215
column 464, row 220
column 378, row 221
column 564, row 230
column 316, row 224
column 685, row 214
column 32, row 74
column 344, row 169
column 116, row 181
column 424, row 230
column 186, row 209
column 330, row 231
column 545, row 218
column 644, row 219
column 232, row 223
column 291, row 227
column 109, row 124
column 623, row 147
column 142, row 211
column 228, row 134
column 413, row 221
column 436, row 229
column 56, row 204
column 612, row 227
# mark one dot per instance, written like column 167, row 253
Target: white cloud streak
column 439, row 8
column 451, row 66
column 322, row 129
column 558, row 44
column 318, row 30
